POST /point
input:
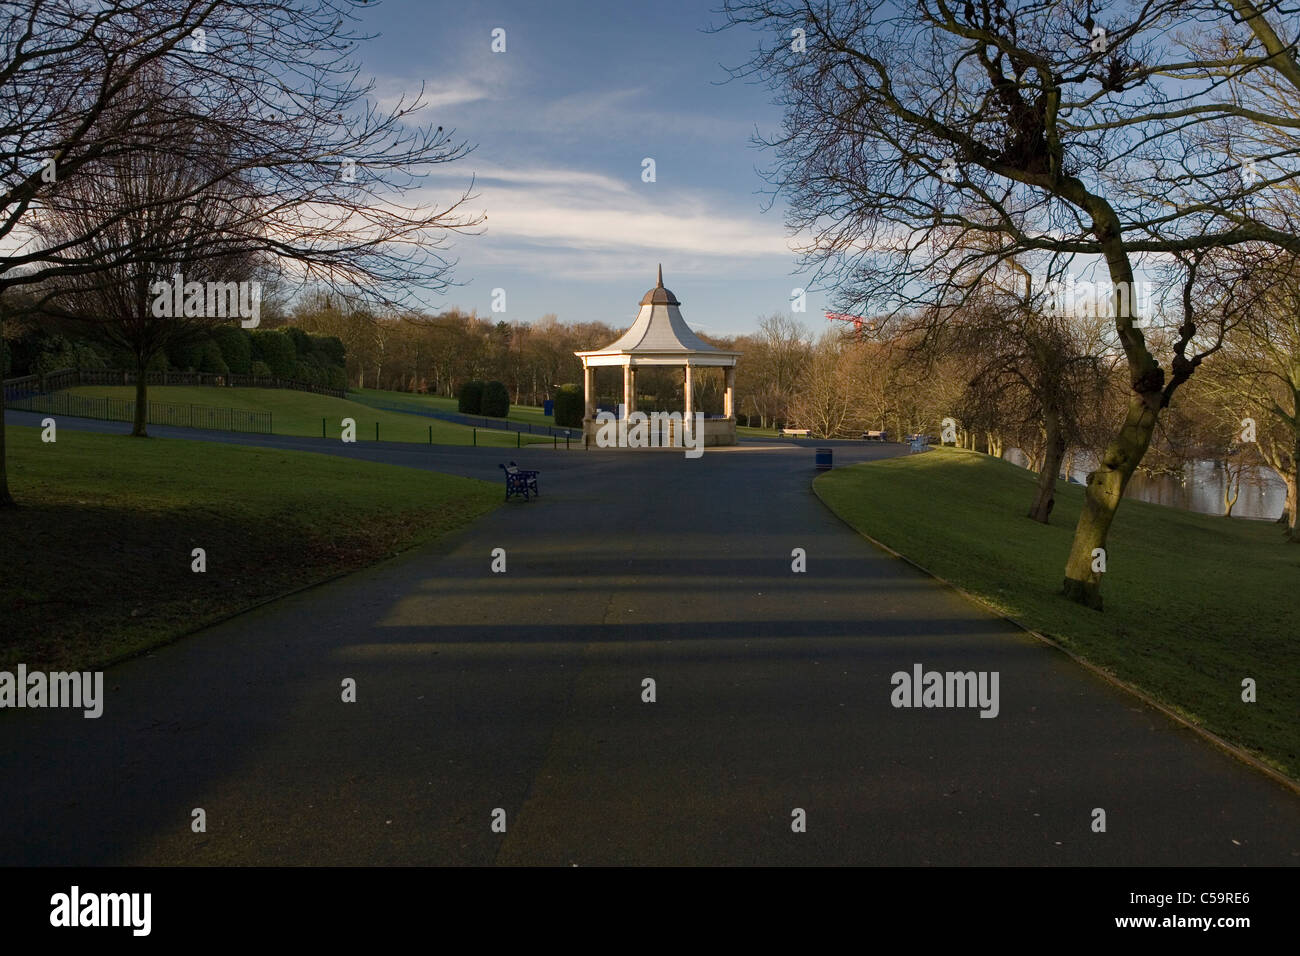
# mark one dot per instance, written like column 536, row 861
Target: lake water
column 1263, row 492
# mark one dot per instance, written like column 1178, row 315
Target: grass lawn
column 1193, row 603
column 97, row 560
column 300, row 413
column 521, row 414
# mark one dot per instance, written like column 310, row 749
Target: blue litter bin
column 548, row 408
column 823, row 459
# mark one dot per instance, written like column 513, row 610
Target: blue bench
column 520, row 482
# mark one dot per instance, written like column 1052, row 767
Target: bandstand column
column 689, row 423
column 588, row 384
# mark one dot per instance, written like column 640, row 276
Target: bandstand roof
column 659, row 336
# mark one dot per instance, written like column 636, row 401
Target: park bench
column 519, row 481
column 792, row 432
column 874, row 436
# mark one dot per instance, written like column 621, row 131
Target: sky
column 561, row 123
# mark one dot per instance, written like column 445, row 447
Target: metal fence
column 458, row 418
column 121, row 377
column 159, row 413
column 16, row 388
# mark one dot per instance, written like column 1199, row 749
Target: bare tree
column 826, row 398
column 1034, row 370
column 1256, row 380
column 186, row 232
column 1050, row 130
column 315, row 175
column 773, row 361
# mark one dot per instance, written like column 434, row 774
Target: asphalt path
column 523, row 691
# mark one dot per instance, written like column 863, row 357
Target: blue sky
column 561, row 122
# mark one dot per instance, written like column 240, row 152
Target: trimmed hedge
column 469, row 401
column 496, row 400
column 306, row 372
column 276, row 350
column 331, row 348
column 300, row 339
column 210, row 360
column 235, row 347
column 568, row 406
column 185, row 355
column 59, row 353
column 224, row 349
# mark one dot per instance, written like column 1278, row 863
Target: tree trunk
column 1231, row 489
column 1105, row 488
column 1034, row 459
column 1288, row 511
column 1102, row 496
column 1291, row 475
column 139, row 428
column 1053, row 452
column 6, row 499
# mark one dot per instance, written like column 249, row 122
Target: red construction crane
column 857, row 320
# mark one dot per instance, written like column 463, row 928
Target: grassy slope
column 300, row 413
column 524, row 414
column 1194, row 603
column 521, row 414
column 97, row 561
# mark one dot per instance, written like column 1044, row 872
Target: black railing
column 16, row 388
column 159, row 413
column 230, row 380
column 459, row 418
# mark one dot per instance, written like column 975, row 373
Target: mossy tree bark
column 1101, row 500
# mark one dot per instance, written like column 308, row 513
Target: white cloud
column 571, row 179
column 455, row 93
column 388, row 94
column 594, row 213
column 623, row 112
